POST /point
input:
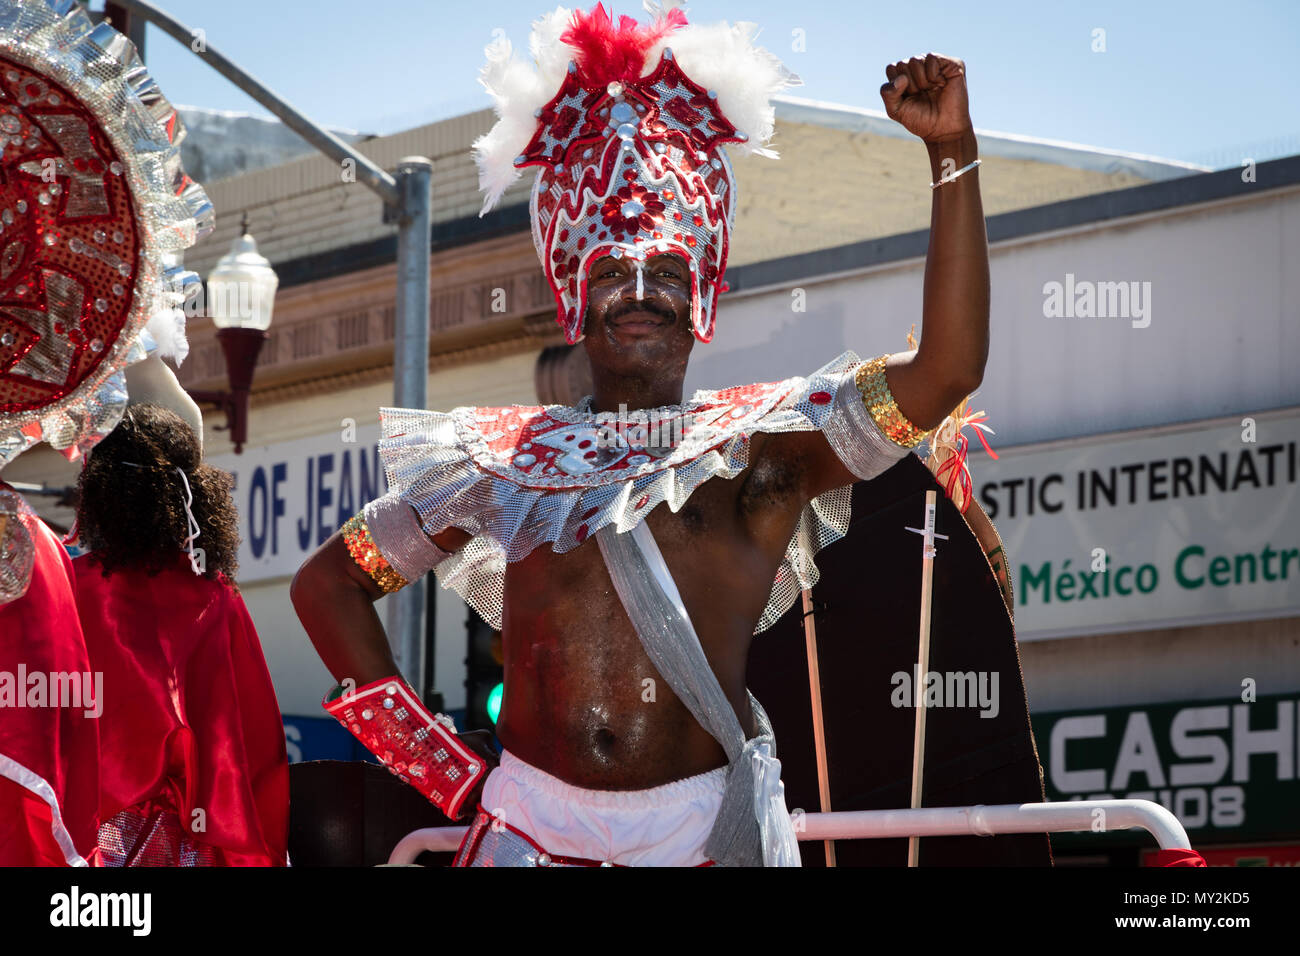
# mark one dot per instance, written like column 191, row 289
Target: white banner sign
column 1177, row 525
column 293, row 495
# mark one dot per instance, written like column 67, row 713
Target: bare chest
column 582, row 697
column 721, row 572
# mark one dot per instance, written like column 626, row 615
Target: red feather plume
column 605, row 53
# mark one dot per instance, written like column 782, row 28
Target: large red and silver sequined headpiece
column 95, row 209
column 630, row 148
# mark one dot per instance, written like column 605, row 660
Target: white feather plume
column 516, row 92
column 723, row 57
column 720, row 57
column 660, row 8
column 551, row 55
column 167, row 326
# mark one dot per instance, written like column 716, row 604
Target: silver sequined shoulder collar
column 517, row 477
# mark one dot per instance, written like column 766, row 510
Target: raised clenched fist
column 927, row 95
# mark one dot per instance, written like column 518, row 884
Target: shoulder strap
column 753, row 826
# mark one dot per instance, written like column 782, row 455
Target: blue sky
column 1201, row 82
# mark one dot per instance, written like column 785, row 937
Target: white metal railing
column 1093, row 815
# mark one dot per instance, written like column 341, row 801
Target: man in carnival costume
column 550, row 520
column 94, row 206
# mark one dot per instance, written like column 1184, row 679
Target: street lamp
column 240, row 297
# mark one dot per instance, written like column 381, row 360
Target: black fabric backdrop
column 867, row 609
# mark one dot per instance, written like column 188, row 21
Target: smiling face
column 648, row 338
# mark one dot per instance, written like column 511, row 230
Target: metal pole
column 922, row 668
column 329, row 144
column 411, row 368
column 1063, row 817
column 122, row 21
column 819, row 723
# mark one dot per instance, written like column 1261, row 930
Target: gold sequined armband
column 365, row 553
column 880, row 403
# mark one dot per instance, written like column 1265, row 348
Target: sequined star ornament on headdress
column 626, row 123
column 94, row 208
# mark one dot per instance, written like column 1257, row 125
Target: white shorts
column 662, row 826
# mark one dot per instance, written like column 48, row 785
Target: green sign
column 1225, row 768
column 1192, row 523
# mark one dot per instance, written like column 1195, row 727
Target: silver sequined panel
column 500, row 846
column 396, row 532
column 132, row 838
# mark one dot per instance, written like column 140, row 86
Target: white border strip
column 28, row 780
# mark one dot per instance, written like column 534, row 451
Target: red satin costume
column 49, row 770
column 193, row 768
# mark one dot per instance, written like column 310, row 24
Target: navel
column 606, row 740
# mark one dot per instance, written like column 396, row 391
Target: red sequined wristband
column 421, row 748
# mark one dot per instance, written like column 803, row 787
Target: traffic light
column 484, row 674
column 495, row 698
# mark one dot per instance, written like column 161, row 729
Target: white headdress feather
column 720, row 57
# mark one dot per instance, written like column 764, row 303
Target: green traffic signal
column 494, row 701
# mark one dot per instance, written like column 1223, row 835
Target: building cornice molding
column 360, row 378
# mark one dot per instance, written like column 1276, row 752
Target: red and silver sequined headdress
column 95, row 208
column 629, row 149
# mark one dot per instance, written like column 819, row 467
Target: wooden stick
column 819, row 727
column 923, row 665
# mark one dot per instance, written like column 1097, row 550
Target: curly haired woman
column 193, row 769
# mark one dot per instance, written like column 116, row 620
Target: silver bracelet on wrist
column 948, row 179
